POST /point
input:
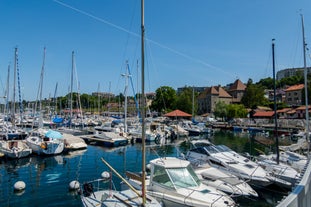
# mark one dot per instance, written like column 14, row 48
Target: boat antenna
column 143, row 114
column 274, row 101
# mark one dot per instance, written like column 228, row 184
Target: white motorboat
column 279, row 170
column 174, row 182
column 295, row 160
column 45, row 142
column 224, row 181
column 73, row 142
column 227, row 160
column 111, row 139
column 95, row 194
column 14, row 148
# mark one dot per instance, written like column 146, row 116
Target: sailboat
column 128, row 197
column 284, row 165
column 43, row 141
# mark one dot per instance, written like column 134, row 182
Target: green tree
column 266, row 83
column 165, row 99
column 293, row 80
column 254, row 96
column 185, row 102
column 220, row 110
column 236, row 111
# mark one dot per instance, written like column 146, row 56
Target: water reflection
column 47, row 178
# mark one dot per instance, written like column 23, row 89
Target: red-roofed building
column 301, row 112
column 209, row 97
column 293, row 95
column 282, row 113
column 263, row 114
column 237, row 90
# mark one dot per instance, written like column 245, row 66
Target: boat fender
column 74, row 185
column 43, row 145
column 19, row 186
column 106, row 176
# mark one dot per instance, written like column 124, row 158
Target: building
column 237, row 91
column 208, row 99
column 279, row 97
column 293, row 95
column 285, row 73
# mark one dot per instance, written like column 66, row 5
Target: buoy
column 74, row 185
column 105, row 175
column 19, row 185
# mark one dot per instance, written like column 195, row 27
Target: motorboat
column 227, row 160
column 174, row 182
column 95, row 193
column 45, row 142
column 73, row 142
column 279, row 170
column 295, row 160
column 224, row 181
column 14, row 148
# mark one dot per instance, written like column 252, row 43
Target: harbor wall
column 301, row 193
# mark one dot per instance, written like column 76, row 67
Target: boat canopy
column 58, row 120
column 53, row 134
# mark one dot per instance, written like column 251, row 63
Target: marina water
column 47, row 178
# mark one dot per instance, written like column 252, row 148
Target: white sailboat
column 14, row 148
column 45, row 142
column 128, row 197
column 285, row 165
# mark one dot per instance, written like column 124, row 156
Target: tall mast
column 7, row 93
column 41, row 82
column 71, row 85
column 14, row 87
column 98, row 99
column 40, row 91
column 275, row 114
column 55, row 99
column 306, row 78
column 143, row 114
column 126, row 75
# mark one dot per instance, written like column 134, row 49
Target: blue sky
column 188, row 42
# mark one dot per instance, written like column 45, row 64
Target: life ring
column 43, row 145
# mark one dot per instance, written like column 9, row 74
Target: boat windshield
column 211, row 149
column 183, row 177
column 223, row 148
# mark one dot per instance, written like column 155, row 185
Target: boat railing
column 88, row 188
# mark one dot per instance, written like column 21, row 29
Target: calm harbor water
column 47, row 178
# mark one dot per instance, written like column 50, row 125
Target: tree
column 220, row 110
column 266, row 83
column 184, row 100
column 165, row 99
column 236, row 111
column 254, row 96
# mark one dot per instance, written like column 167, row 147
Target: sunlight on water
column 47, row 178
